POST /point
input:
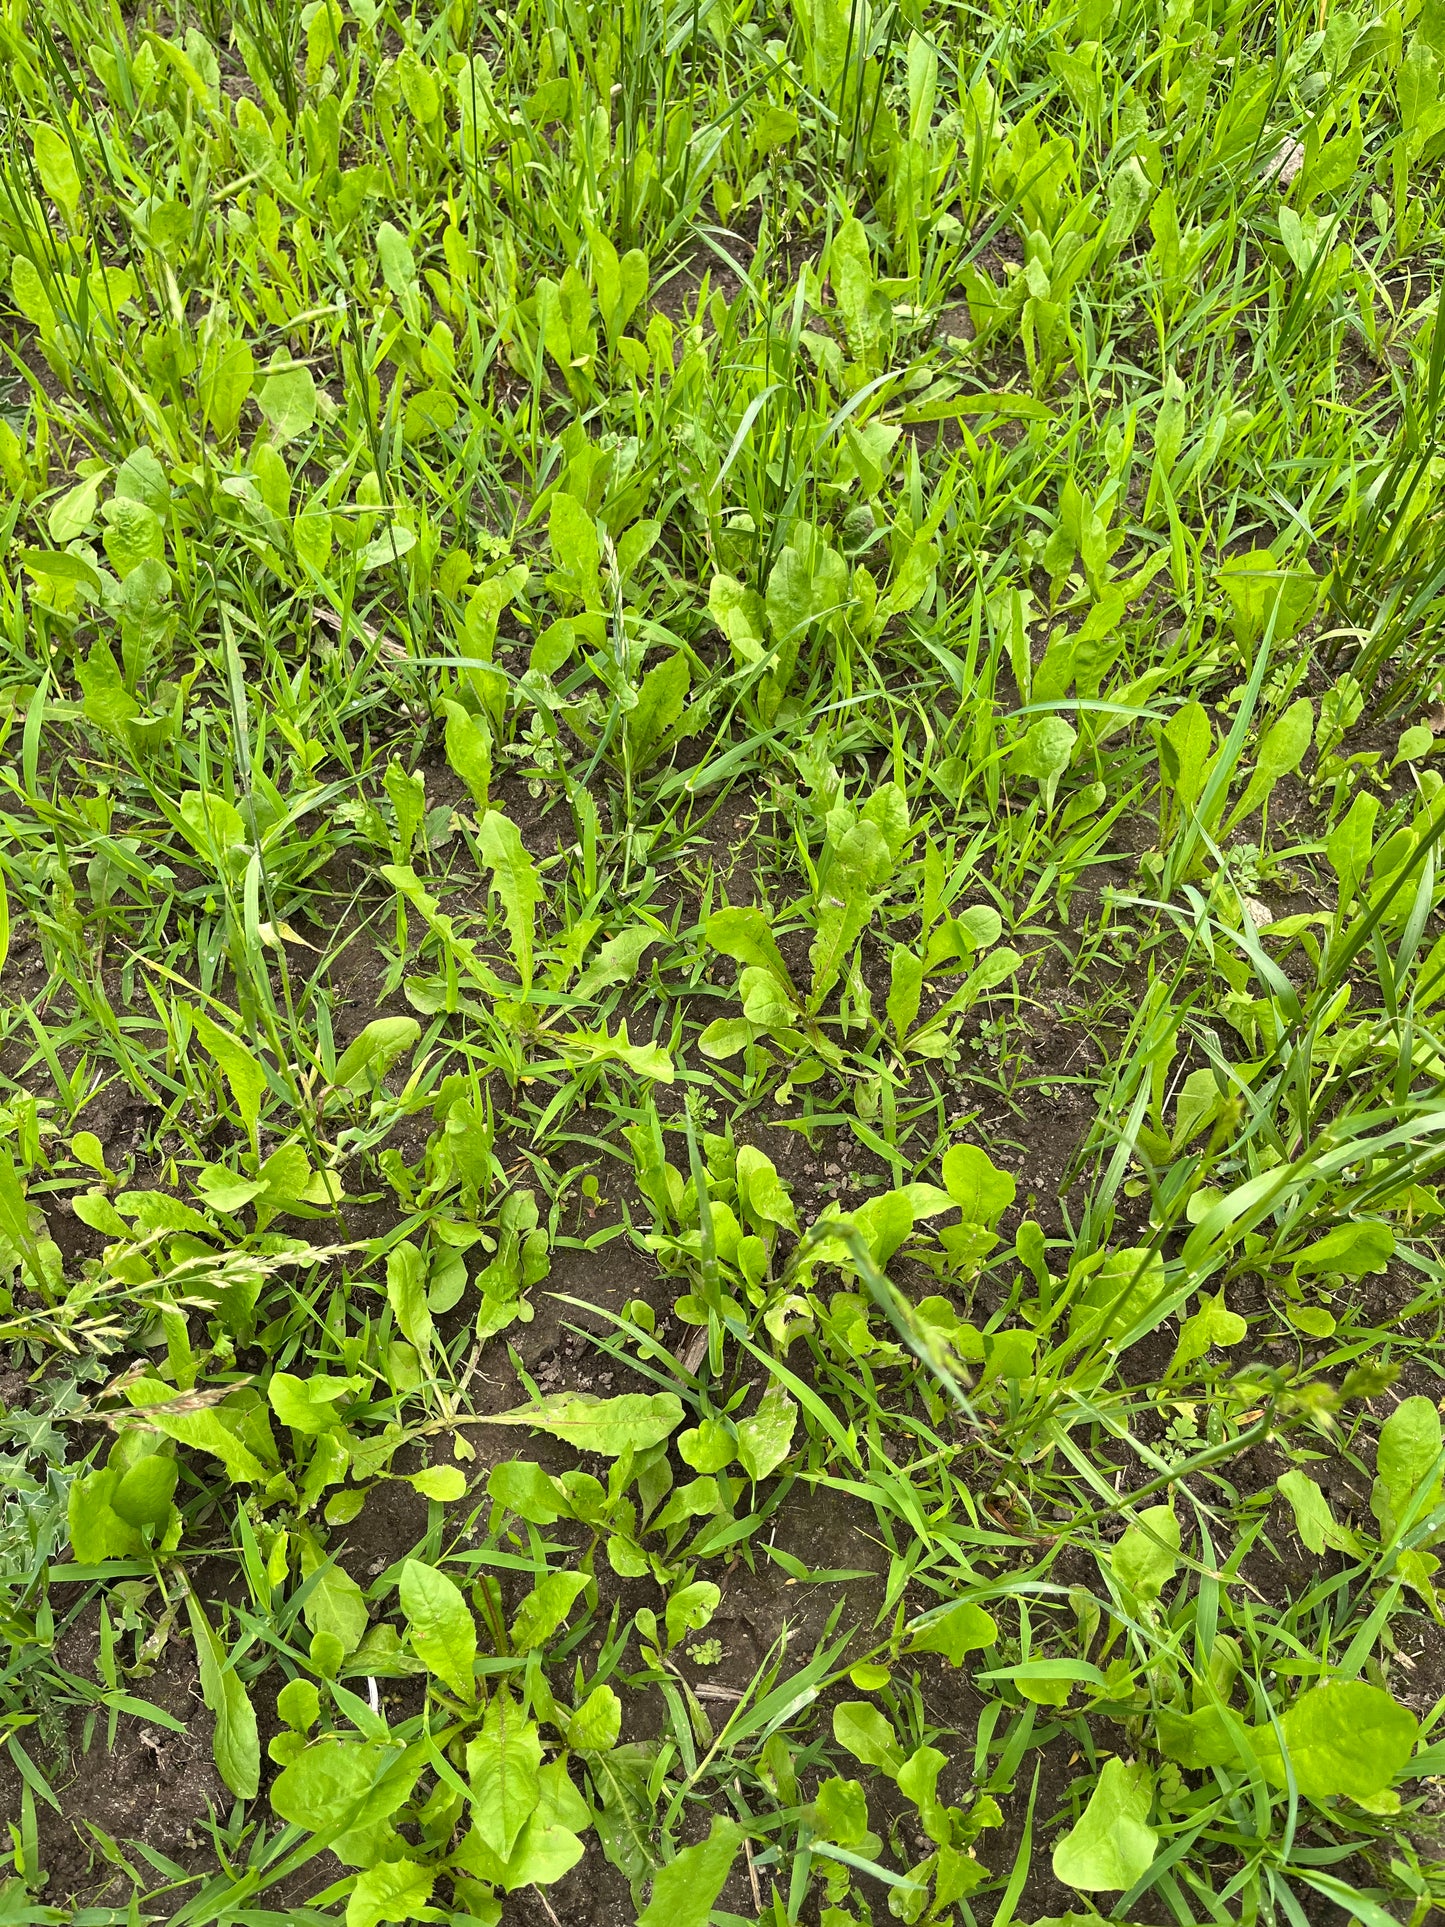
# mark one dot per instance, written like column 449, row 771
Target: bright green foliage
column 722, row 734
column 1146, row 1558
column 611, row 1426
column 956, row 1631
column 439, row 1625
column 684, row 1891
column 502, row 1765
column 391, row 1890
column 1111, row 1845
column 237, row 1748
column 1345, row 1737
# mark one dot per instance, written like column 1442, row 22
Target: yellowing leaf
column 958, row 1630
column 610, row 1426
column 1111, row 1845
column 1147, row 1556
column 1343, row 1737
column 391, row 1890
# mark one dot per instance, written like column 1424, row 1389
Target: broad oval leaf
column 868, row 1735
column 1147, row 1556
column 143, row 1496
column 980, row 1190
column 1123, row 1293
column 287, row 399
column 1044, row 750
column 1112, row 1844
column 1409, row 1451
column 765, row 1439
column 308, row 1405
column 1353, row 1250
column 528, row 1491
column 336, row 1784
column 690, row 1609
column 595, row 1726
column 960, row 1629
column 1347, row 1737
column 443, row 1632
column 745, row 935
column 444, row 1482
